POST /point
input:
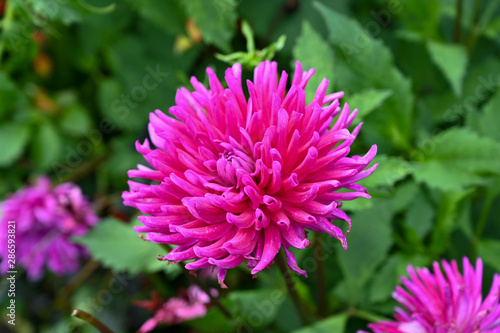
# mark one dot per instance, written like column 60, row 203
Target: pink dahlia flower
column 45, row 217
column 238, row 178
column 445, row 304
column 179, row 309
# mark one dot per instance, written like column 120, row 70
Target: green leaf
column 464, row 219
column 129, row 52
column 456, row 158
column 420, row 215
column 336, row 323
column 480, row 81
column 414, row 60
column 367, row 101
column 149, row 81
column 47, row 145
column 288, row 318
column 488, row 22
column 9, row 95
column 213, row 322
column 358, row 204
column 422, row 17
column 216, row 20
column 97, row 10
column 388, row 277
column 446, row 219
column 14, row 138
column 452, row 60
column 489, row 251
column 97, row 31
column 390, row 170
column 445, row 176
column 121, row 111
column 45, row 11
column 369, row 242
column 6, row 83
column 492, row 29
column 404, row 194
column 385, row 281
column 75, row 121
column 313, row 52
column 118, row 247
column 364, row 63
column 123, row 158
column 257, row 308
column 166, row 14
column 490, row 117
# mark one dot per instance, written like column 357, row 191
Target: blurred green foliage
column 79, row 78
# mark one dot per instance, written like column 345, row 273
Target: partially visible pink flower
column 238, row 179
column 450, row 303
column 179, row 309
column 46, row 217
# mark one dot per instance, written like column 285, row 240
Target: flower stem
column 6, row 24
column 280, row 262
column 91, row 320
column 488, row 201
column 84, row 169
column 320, row 274
column 458, row 22
column 76, row 281
column 473, row 30
column 194, row 279
column 481, row 223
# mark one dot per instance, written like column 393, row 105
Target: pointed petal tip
column 255, row 271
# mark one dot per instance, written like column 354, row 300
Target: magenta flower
column 178, row 309
column 445, row 304
column 45, row 217
column 238, row 179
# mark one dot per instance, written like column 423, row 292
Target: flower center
column 232, row 164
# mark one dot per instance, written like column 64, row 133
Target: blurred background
column 78, row 79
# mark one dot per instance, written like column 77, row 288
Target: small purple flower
column 46, row 217
column 179, row 309
column 450, row 303
column 239, row 178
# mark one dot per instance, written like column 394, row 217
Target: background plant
column 79, row 78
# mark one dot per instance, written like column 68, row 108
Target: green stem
column 471, row 40
column 76, row 281
column 320, row 274
column 458, row 22
column 80, row 314
column 281, row 263
column 481, row 224
column 84, row 169
column 6, row 24
column 248, row 33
